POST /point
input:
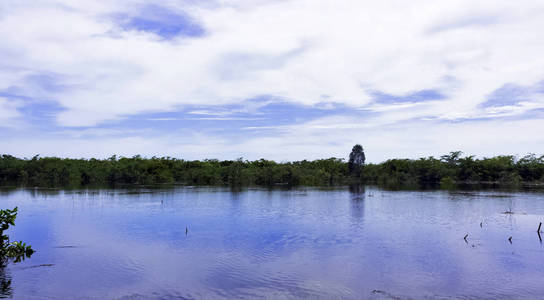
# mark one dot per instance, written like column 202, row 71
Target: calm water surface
column 303, row 243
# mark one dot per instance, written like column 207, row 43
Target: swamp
column 187, row 242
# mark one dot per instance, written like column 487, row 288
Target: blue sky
column 283, row 80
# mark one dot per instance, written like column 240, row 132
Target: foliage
column 356, row 160
column 446, row 170
column 452, row 168
column 15, row 251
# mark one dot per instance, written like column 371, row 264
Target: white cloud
column 303, row 51
column 345, row 49
column 328, row 137
column 8, row 113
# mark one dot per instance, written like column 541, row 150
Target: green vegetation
column 15, row 251
column 445, row 171
column 452, row 169
column 356, row 161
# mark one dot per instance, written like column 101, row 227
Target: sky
column 283, row 80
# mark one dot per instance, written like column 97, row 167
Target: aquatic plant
column 17, row 250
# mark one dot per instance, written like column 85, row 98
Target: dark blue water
column 304, row 243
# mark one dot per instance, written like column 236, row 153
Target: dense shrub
column 52, row 171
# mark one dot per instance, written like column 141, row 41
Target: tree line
column 447, row 170
column 452, row 169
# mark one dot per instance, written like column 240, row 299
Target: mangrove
column 445, row 171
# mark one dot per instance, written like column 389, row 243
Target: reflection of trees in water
column 357, row 194
column 6, row 290
column 5, row 282
column 236, row 190
column 235, row 199
column 7, row 190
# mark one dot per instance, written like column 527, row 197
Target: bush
column 15, row 251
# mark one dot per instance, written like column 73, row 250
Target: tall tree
column 356, row 160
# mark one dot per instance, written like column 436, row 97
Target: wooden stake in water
column 539, row 225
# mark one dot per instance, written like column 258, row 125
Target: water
column 257, row 243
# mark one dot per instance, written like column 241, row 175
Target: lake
column 358, row 243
